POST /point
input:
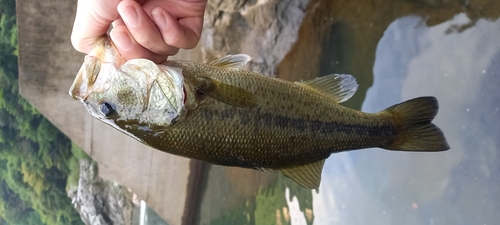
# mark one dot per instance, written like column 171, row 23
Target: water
column 397, row 50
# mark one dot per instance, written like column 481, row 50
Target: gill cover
column 136, row 92
column 164, row 92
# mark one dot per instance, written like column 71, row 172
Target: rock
column 263, row 29
column 100, row 202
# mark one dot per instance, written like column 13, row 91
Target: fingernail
column 122, row 40
column 159, row 18
column 130, row 16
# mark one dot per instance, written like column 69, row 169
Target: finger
column 118, row 22
column 92, row 20
column 183, row 33
column 142, row 28
column 130, row 49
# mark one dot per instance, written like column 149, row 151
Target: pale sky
column 460, row 186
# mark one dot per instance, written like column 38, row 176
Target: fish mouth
column 104, row 51
column 76, row 91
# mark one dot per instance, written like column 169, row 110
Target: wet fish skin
column 224, row 115
column 287, row 133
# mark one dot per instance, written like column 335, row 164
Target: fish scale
column 222, row 114
column 288, row 140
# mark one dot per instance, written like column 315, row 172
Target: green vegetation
column 242, row 214
column 35, row 157
column 265, row 206
column 74, row 165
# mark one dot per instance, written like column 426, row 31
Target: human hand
column 151, row 29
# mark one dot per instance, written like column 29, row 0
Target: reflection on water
column 241, row 196
column 397, row 50
column 341, row 36
column 143, row 215
column 461, row 68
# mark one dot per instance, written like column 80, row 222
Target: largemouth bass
column 222, row 114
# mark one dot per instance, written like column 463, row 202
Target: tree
column 34, row 155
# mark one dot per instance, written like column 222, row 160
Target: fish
column 222, row 114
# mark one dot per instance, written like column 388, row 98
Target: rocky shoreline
column 98, row 201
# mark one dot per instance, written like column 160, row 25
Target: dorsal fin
column 308, row 176
column 232, row 61
column 341, row 87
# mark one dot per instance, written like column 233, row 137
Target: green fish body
column 224, row 115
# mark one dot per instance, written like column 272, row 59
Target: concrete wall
column 47, row 66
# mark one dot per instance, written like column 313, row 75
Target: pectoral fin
column 227, row 93
column 340, row 87
column 231, row 61
column 308, row 176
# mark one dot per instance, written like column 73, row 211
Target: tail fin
column 417, row 132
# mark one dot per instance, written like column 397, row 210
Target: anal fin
column 308, row 176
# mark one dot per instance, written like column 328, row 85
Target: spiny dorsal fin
column 308, row 176
column 341, row 87
column 232, row 61
column 227, row 93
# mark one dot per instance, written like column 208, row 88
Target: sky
column 374, row 186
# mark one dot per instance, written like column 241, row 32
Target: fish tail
column 416, row 131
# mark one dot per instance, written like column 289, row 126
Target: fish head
column 135, row 94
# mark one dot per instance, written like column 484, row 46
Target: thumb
column 93, row 18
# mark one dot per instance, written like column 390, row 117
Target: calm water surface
column 397, row 52
column 460, row 186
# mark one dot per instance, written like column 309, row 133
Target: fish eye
column 108, row 109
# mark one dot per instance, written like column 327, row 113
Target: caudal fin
column 416, row 131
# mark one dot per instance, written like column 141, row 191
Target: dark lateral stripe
column 263, row 120
column 314, row 127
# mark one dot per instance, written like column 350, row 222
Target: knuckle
column 173, row 40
